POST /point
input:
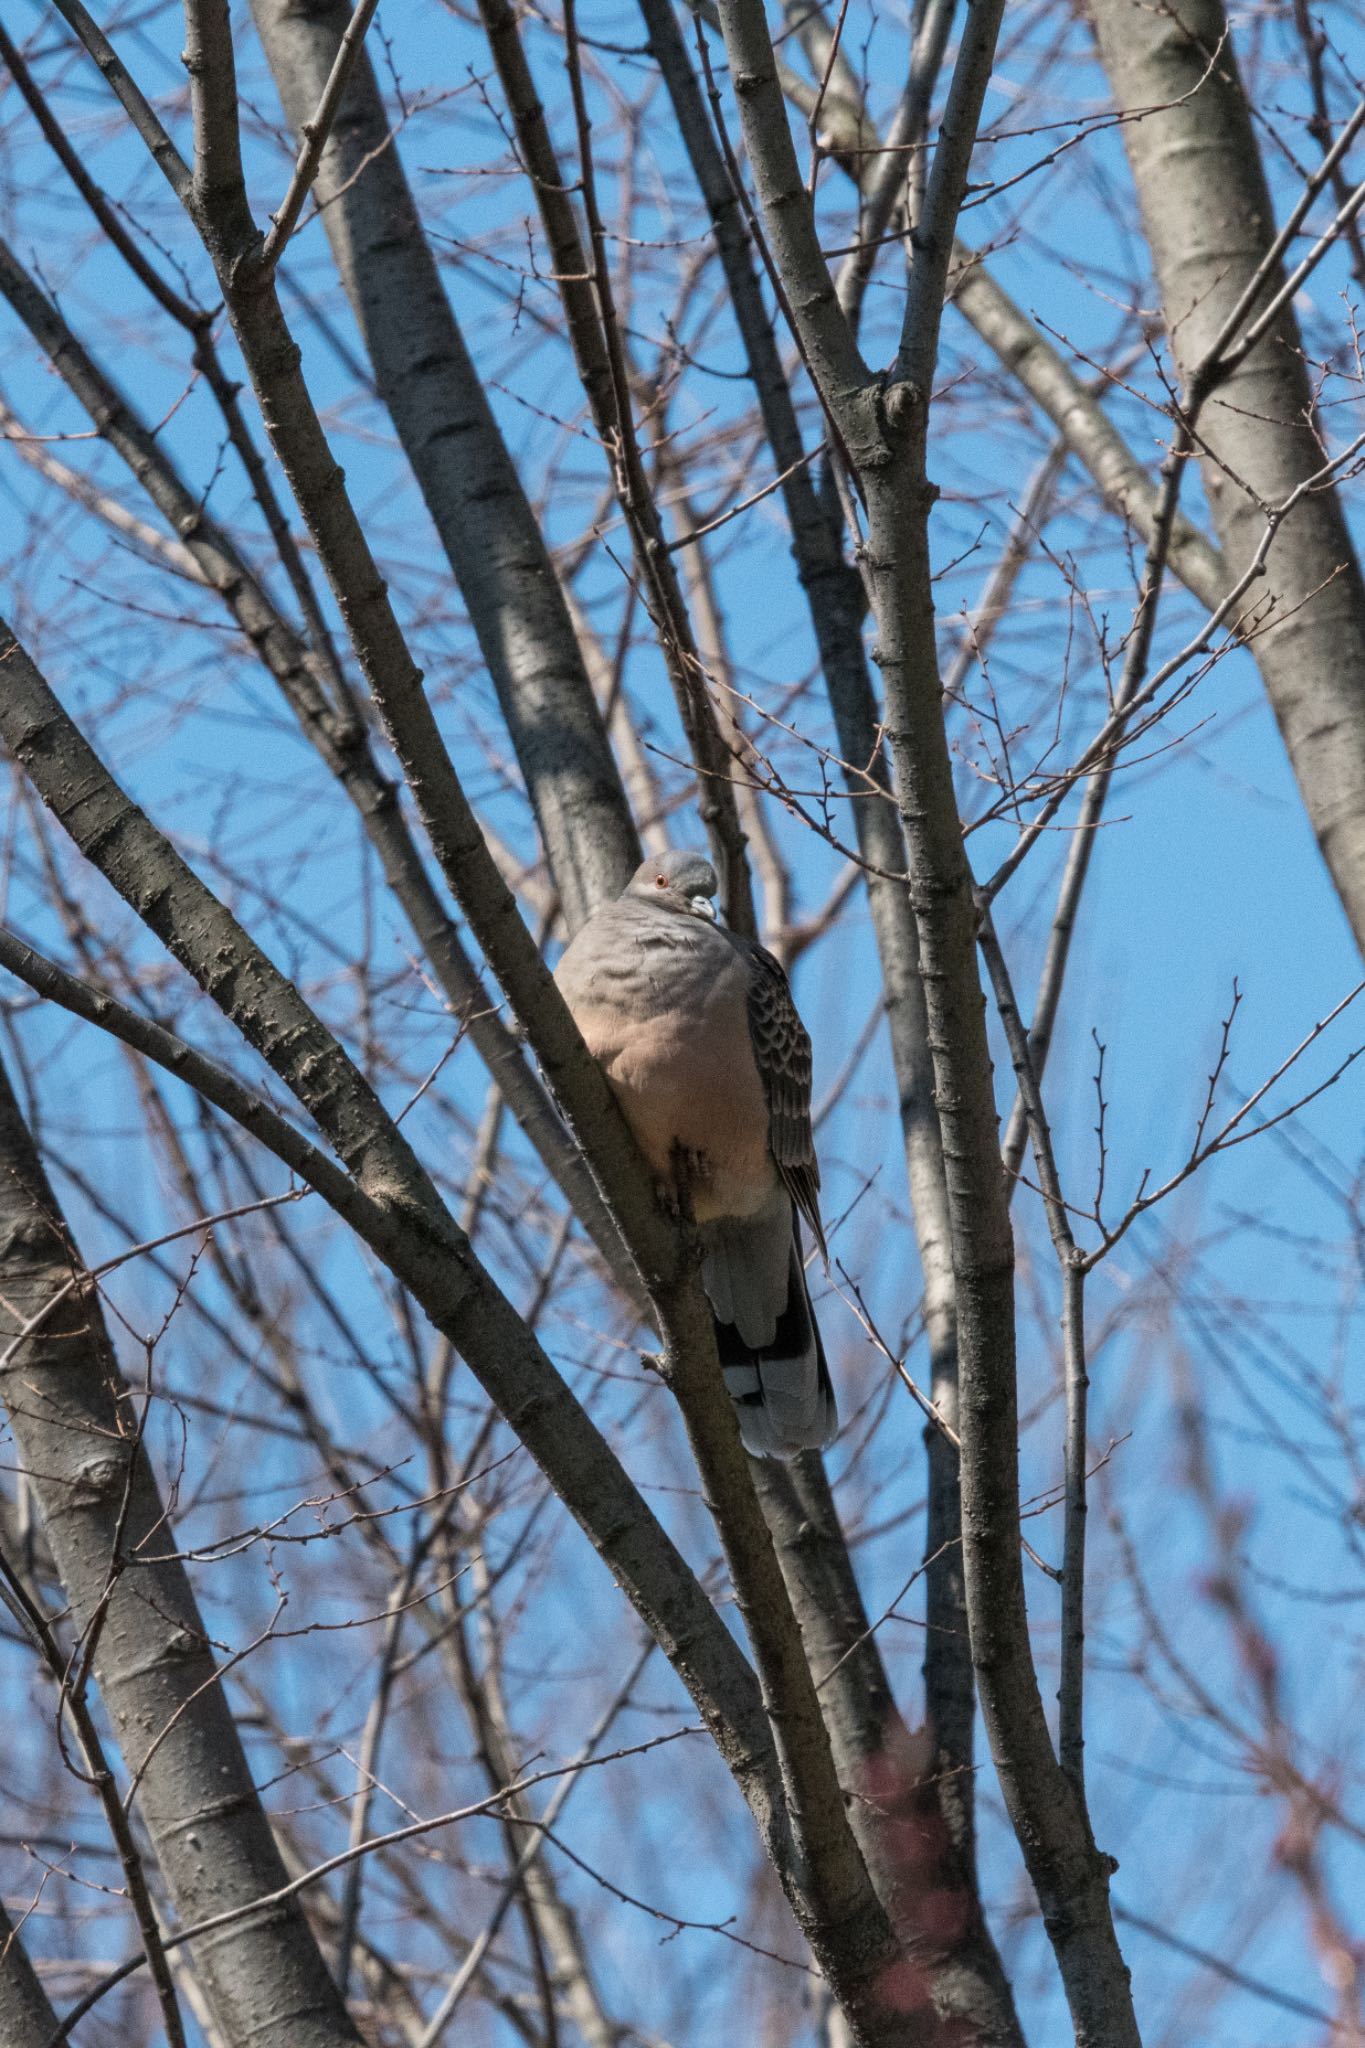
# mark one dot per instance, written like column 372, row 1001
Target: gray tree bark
column 340, row 739
column 302, row 42
column 862, row 1716
column 26, row 2016
column 883, row 424
column 1209, row 223
column 1023, row 349
column 928, row 945
column 770, row 1733
column 75, row 1423
column 441, row 414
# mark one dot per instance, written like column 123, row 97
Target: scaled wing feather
column 782, row 1053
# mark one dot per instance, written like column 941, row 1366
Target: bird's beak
column 703, row 907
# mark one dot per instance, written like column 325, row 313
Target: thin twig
column 315, row 133
column 412, row 1831
column 1071, row 1690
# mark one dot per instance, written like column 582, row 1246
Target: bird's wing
column 782, row 1054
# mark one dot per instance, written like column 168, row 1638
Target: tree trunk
column 1208, row 220
column 76, row 1425
column 443, row 419
column 26, row 2016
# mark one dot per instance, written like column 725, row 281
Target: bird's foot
column 691, row 1170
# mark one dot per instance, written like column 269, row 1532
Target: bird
column 697, row 1033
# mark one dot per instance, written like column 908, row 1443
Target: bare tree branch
column 1258, row 434
column 72, row 1416
column 885, row 433
column 315, row 133
column 438, row 404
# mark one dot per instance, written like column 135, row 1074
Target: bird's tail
column 782, row 1389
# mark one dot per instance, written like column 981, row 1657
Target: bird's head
column 683, row 882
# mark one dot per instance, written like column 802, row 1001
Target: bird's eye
column 661, row 881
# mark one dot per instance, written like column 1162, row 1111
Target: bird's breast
column 670, row 1028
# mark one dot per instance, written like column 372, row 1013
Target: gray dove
column 696, row 1031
